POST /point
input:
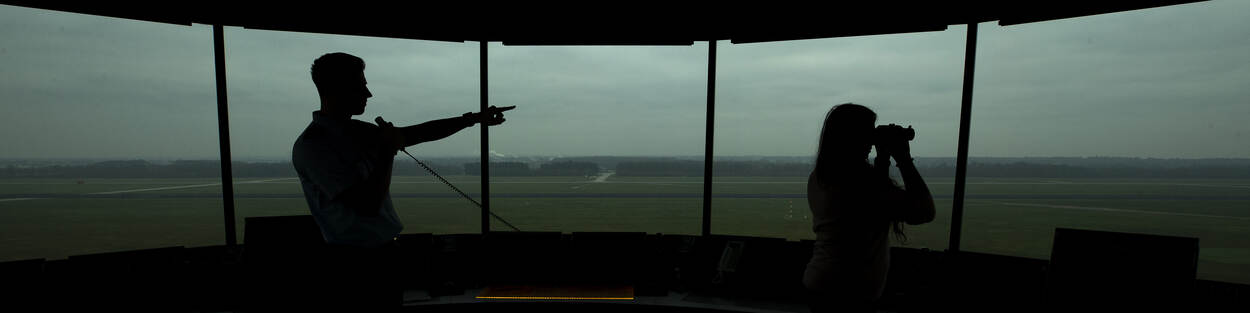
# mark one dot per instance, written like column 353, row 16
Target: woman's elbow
column 923, row 214
column 921, row 219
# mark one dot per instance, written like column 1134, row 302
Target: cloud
column 1165, row 82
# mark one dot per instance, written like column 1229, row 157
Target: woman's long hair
column 842, row 155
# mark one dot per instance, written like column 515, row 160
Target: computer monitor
column 1089, row 267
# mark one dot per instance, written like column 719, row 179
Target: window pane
column 105, row 122
column 604, row 138
column 770, row 106
column 1147, row 110
column 272, row 97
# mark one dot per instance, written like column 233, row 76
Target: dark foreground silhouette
column 345, row 166
column 855, row 205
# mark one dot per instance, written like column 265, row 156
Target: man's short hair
column 333, row 71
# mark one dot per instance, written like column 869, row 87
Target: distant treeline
column 212, row 168
column 145, row 169
column 675, row 168
column 1021, row 169
column 1017, row 169
column 564, row 168
column 192, row 169
column 632, row 168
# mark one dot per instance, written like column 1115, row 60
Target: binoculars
column 885, row 133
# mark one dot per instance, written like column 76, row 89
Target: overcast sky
column 1166, row 82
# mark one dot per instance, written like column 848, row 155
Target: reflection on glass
column 272, row 97
column 772, row 99
column 1128, row 122
column 603, row 138
column 104, row 136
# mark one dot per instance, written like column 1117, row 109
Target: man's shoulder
column 362, row 124
column 360, row 128
column 310, row 142
column 310, row 135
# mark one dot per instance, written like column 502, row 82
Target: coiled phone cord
column 453, row 187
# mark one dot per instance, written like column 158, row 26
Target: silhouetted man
column 344, row 166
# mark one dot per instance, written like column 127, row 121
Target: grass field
column 55, row 218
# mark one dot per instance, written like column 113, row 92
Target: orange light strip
column 555, row 298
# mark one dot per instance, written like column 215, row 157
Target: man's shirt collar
column 329, row 121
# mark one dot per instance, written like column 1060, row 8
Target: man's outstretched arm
column 435, row 130
column 439, row 129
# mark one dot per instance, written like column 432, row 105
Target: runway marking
column 604, row 177
column 17, row 199
column 1089, row 208
column 180, row 187
column 153, row 189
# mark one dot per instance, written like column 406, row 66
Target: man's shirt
column 331, row 156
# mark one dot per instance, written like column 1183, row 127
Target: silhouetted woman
column 855, row 206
